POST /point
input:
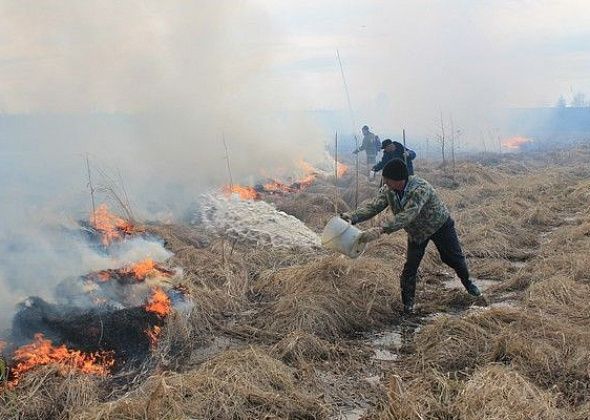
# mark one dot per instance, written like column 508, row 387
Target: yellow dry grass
column 237, row 384
column 330, row 297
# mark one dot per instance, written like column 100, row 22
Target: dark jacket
column 397, row 154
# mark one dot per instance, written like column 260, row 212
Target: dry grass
column 500, row 363
column 46, row 394
column 330, row 297
column 300, row 346
column 428, row 396
column 500, row 393
column 315, row 209
column 234, row 385
column 452, row 344
column 563, row 298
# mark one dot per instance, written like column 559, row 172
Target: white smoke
column 146, row 89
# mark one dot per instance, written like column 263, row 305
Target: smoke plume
column 147, row 90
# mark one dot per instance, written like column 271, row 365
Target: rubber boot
column 408, row 290
column 471, row 288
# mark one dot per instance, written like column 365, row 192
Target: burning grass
column 110, row 226
column 42, row 352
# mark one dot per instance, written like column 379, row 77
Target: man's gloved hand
column 370, row 235
column 355, row 152
column 347, row 217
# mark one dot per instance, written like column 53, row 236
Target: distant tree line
column 578, row 100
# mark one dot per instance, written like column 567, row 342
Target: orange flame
column 42, row 352
column 153, row 334
column 159, row 303
column 307, row 168
column 245, row 193
column 514, row 143
column 311, row 175
column 276, row 186
column 104, row 276
column 341, row 169
column 109, row 225
column 142, row 268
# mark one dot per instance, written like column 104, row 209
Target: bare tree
column 579, row 100
column 441, row 140
column 453, row 143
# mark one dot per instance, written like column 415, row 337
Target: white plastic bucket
column 343, row 237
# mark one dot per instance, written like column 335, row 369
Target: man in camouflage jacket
column 420, row 212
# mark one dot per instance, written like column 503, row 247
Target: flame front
column 341, row 169
column 275, row 186
column 42, row 352
column 514, row 143
column 142, row 268
column 159, row 303
column 245, row 193
column 109, row 225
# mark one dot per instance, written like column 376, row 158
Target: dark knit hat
column 396, row 170
column 386, row 143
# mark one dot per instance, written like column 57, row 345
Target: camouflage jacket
column 419, row 212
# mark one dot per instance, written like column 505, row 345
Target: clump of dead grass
column 329, row 297
column 429, row 395
column 500, row 393
column 561, row 297
column 179, row 236
column 453, row 344
column 301, row 347
column 44, row 393
column 188, row 330
column 237, row 384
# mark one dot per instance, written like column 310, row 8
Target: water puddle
column 351, row 414
column 481, row 283
column 384, row 355
column 388, row 338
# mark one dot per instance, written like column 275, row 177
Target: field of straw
column 292, row 334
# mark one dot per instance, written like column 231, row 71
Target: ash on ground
column 254, row 222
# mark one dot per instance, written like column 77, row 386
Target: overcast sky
column 405, row 61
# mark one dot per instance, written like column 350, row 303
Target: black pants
column 448, row 246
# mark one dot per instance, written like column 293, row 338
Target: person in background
column 368, row 145
column 395, row 150
column 418, row 210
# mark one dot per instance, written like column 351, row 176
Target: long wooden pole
column 231, row 181
column 91, row 187
column 404, row 140
column 356, row 141
column 452, row 142
column 336, row 171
